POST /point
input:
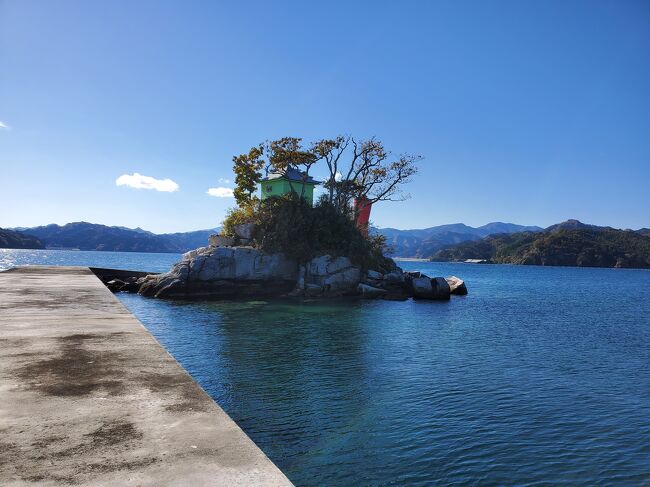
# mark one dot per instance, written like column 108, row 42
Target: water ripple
column 540, row 376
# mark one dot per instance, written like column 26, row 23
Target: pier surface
column 89, row 397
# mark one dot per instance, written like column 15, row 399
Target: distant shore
column 411, row 259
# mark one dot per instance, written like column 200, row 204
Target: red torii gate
column 362, row 207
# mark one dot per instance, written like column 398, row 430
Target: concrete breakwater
column 87, row 396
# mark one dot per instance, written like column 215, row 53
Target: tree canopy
column 357, row 169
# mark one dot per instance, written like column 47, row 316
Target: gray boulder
column 214, row 272
column 371, row 292
column 456, row 285
column 422, row 288
column 397, row 285
column 440, row 288
column 395, row 277
column 426, row 288
column 337, row 276
column 193, row 253
column 313, row 290
column 220, row 241
column 245, row 230
column 377, row 276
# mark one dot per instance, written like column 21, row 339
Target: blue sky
column 528, row 112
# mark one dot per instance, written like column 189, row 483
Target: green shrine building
column 279, row 184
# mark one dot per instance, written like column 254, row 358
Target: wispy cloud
column 138, row 181
column 3, row 125
column 224, row 181
column 221, row 192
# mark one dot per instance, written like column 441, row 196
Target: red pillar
column 362, row 208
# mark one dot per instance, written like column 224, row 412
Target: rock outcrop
column 245, row 230
column 216, row 240
column 219, row 272
column 335, row 276
column 223, row 271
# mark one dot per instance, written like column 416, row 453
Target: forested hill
column 424, row 242
column 10, row 239
column 568, row 244
column 90, row 236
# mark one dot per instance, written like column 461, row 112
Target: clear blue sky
column 525, row 111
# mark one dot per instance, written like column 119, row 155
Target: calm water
column 135, row 261
column 541, row 376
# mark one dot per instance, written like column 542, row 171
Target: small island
column 283, row 243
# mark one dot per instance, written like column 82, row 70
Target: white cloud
column 338, row 176
column 221, row 192
column 3, row 125
column 138, row 181
column 224, row 181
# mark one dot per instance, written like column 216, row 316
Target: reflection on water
column 536, row 376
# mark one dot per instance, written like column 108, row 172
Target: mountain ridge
column 422, row 243
column 425, row 242
column 12, row 239
column 93, row 236
column 570, row 243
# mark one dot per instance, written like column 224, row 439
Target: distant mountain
column 91, row 236
column 574, row 225
column 426, row 241
column 10, row 239
column 185, row 241
column 570, row 243
column 498, row 227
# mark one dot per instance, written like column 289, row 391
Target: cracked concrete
column 88, row 397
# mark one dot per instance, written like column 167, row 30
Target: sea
column 540, row 376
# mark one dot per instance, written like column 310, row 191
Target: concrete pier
column 89, row 397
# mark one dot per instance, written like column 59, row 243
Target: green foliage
column 357, row 169
column 288, row 224
column 237, row 216
column 248, row 174
column 600, row 247
column 361, row 169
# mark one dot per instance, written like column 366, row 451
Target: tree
column 331, row 151
column 362, row 170
column 248, row 174
column 286, row 156
column 370, row 173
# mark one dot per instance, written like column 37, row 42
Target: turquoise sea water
column 540, row 376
